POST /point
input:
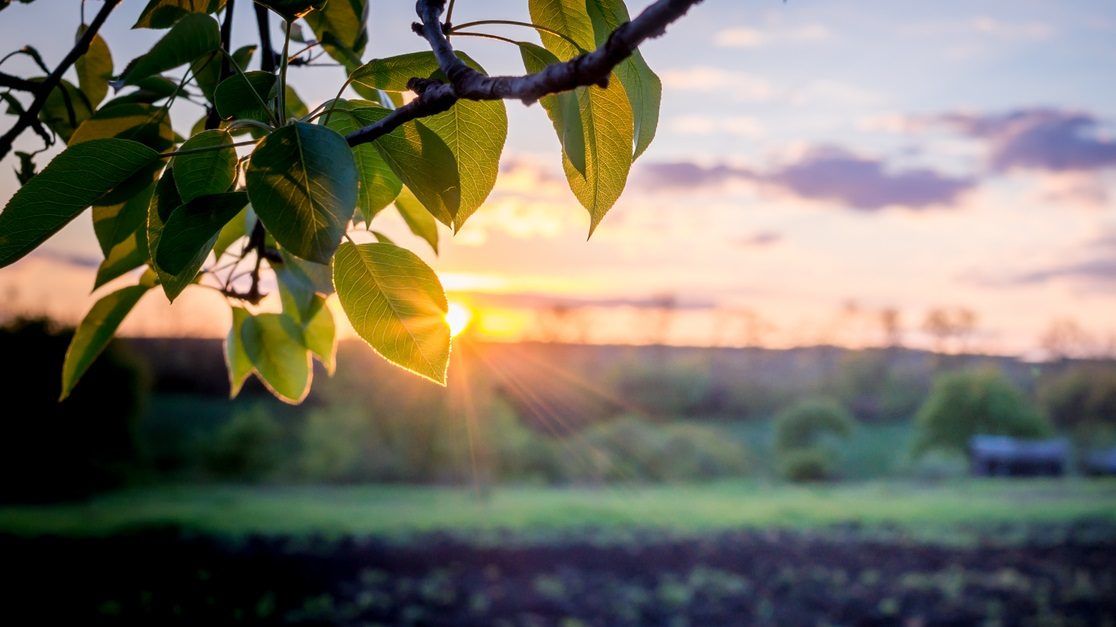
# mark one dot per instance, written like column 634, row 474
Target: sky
column 816, row 164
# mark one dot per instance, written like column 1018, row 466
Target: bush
column 632, row 449
column 247, row 448
column 807, row 439
column 810, row 423
column 51, row 450
column 670, row 387
column 1081, row 400
column 807, row 464
column 975, row 401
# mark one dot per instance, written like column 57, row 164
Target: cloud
column 745, row 37
column 734, row 125
column 1097, row 267
column 1038, row 139
column 759, row 239
column 825, row 174
column 740, row 86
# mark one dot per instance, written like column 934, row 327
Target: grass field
column 388, row 510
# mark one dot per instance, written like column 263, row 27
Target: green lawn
column 389, row 510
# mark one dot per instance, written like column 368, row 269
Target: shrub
column 632, row 449
column 1082, row 400
column 807, row 464
column 810, row 424
column 975, row 401
column 806, row 439
column 670, row 387
column 247, row 448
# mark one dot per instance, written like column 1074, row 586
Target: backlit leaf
column 606, row 121
column 122, row 258
column 95, row 332
column 418, row 219
column 474, row 131
column 231, row 232
column 422, row 160
column 236, row 358
column 64, row 109
column 164, row 13
column 276, row 353
column 302, row 181
column 243, row 96
column 190, row 232
column 191, row 36
column 210, row 172
column 562, row 108
column 207, row 69
column 72, row 181
column 340, row 27
column 645, row 90
column 137, row 121
column 392, row 73
column 94, row 68
column 396, row 304
column 377, row 184
column 291, row 9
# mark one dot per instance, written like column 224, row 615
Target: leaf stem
column 283, row 74
column 517, row 23
column 487, row 36
column 190, row 151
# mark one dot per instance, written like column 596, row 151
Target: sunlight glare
column 458, row 317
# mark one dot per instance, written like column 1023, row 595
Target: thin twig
column 51, row 81
column 592, row 68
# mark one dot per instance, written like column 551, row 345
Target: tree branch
column 267, row 53
column 15, row 82
column 212, row 119
column 43, row 89
column 592, row 68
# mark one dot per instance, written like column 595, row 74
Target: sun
column 458, row 317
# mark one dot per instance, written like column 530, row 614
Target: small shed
column 1005, row 456
column 1099, row 463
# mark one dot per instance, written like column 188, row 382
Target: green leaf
column 164, row 201
column 380, row 237
column 207, row 69
column 94, row 68
column 137, row 121
column 64, row 109
column 125, row 256
column 191, row 37
column 474, row 131
column 340, row 27
column 272, row 344
column 422, row 160
column 209, row 172
column 95, row 332
column 392, row 73
column 562, row 108
column 317, row 274
column 236, row 358
column 606, row 124
column 164, row 13
column 396, row 304
column 116, row 222
column 644, row 89
column 377, row 184
column 243, row 96
column 418, row 219
column 189, row 234
column 568, row 17
column 302, row 180
column 72, row 181
column 319, row 333
column 231, row 232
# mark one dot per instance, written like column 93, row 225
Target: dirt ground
column 167, row 577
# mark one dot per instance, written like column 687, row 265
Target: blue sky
column 816, row 162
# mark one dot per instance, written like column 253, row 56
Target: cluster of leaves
column 297, row 200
